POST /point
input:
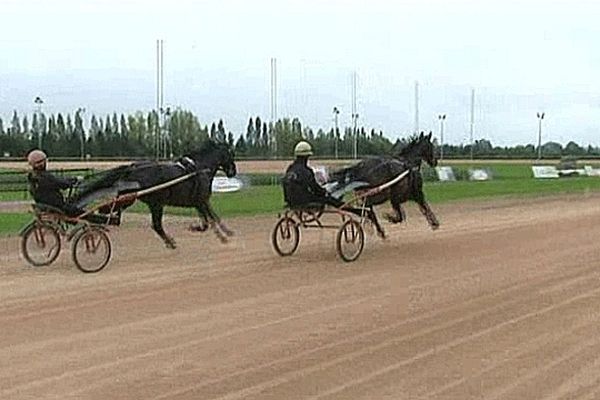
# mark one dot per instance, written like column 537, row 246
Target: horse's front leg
column 427, row 212
column 396, row 201
column 217, row 220
column 215, row 223
column 203, row 225
column 157, row 213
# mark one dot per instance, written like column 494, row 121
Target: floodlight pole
column 540, row 117
column 442, row 118
column 336, row 112
column 38, row 102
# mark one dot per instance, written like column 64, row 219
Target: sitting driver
column 300, row 186
column 45, row 188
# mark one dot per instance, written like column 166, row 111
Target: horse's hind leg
column 157, row 213
column 373, row 217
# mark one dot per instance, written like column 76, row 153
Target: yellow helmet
column 303, row 149
column 36, row 158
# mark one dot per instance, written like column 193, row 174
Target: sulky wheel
column 350, row 240
column 308, row 216
column 40, row 244
column 91, row 249
column 285, row 236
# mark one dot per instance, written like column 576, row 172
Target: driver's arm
column 59, row 182
column 313, row 184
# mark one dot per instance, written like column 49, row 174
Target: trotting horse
column 378, row 170
column 193, row 192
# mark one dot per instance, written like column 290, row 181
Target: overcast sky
column 521, row 57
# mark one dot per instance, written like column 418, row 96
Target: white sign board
column 445, row 174
column 223, row 184
column 590, row 171
column 544, row 171
column 479, row 175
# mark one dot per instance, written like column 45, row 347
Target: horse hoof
column 198, row 228
column 171, row 246
column 435, row 227
column 394, row 220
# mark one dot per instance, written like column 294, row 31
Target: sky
column 520, row 58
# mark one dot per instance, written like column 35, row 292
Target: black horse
column 193, row 192
column 378, row 170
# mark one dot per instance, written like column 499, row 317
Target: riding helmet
column 303, row 149
column 36, row 158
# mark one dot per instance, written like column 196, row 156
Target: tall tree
column 250, row 133
column 213, row 131
column 26, row 132
column 258, row 142
column 79, row 133
column 221, row 131
column 15, row 128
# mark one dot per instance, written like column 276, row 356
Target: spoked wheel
column 91, row 249
column 350, row 240
column 285, row 236
column 40, row 244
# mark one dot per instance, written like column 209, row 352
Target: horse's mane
column 207, row 147
column 406, row 146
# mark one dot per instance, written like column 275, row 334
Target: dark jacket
column 45, row 188
column 300, row 185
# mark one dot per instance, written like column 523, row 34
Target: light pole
column 442, row 118
column 38, row 105
column 336, row 112
column 540, row 117
column 168, row 138
column 165, row 114
column 78, row 113
column 355, row 122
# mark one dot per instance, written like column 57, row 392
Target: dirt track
column 501, row 303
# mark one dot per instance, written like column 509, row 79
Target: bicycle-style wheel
column 285, row 236
column 40, row 244
column 350, row 240
column 91, row 250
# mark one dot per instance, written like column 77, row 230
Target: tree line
column 148, row 135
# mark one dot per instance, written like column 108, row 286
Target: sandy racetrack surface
column 501, row 303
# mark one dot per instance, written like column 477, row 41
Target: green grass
column 14, row 196
column 11, row 223
column 439, row 192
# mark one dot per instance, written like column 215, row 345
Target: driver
column 300, row 187
column 45, row 188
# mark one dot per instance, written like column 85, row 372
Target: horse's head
column 215, row 155
column 428, row 150
column 226, row 159
column 418, row 148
